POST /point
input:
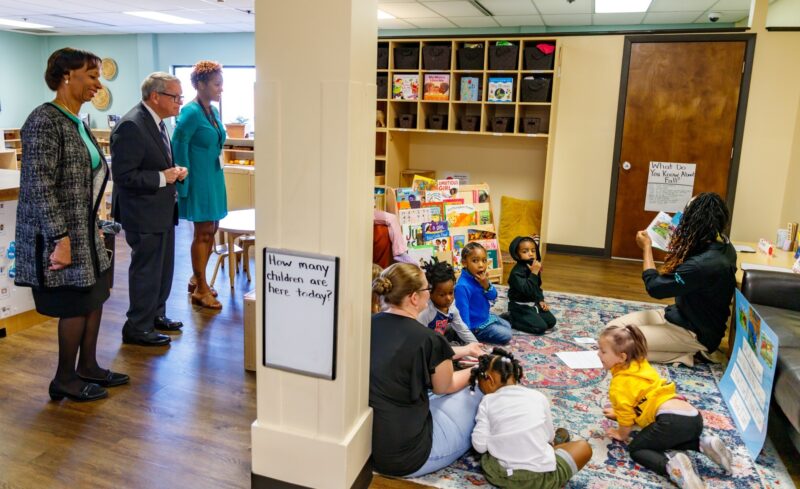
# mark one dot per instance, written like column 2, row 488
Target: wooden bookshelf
column 103, row 137
column 12, row 141
column 238, row 158
column 529, row 120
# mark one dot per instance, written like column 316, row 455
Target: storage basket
column 470, row 58
column 436, row 57
column 406, row 57
column 535, row 90
column 503, row 57
column 535, row 59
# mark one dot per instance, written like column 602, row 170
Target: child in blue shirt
column 474, row 294
column 441, row 315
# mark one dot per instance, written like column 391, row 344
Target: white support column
column 315, row 106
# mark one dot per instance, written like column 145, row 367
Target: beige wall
column 585, row 130
column 584, row 140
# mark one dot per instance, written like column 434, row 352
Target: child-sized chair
column 221, row 250
column 246, row 242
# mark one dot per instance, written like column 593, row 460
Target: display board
column 747, row 383
column 300, row 300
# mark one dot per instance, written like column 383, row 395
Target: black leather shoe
column 148, row 339
column 166, row 324
column 111, row 379
column 89, row 392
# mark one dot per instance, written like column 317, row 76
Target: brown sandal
column 208, row 301
column 192, row 286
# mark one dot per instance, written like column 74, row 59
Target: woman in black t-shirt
column 414, row 434
column 700, row 272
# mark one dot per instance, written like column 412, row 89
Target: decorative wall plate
column 108, row 68
column 102, row 99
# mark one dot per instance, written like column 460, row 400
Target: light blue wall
column 22, row 84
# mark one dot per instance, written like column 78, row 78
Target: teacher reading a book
column 699, row 273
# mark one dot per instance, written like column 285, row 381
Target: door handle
column 626, row 165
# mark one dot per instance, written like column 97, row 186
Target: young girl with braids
column 441, row 315
column 699, row 272
column 514, row 430
column 640, row 396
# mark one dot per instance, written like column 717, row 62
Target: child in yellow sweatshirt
column 640, row 396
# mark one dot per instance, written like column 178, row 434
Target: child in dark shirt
column 441, row 315
column 527, row 309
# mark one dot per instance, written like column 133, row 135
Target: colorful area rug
column 578, row 396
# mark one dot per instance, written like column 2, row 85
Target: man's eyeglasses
column 178, row 99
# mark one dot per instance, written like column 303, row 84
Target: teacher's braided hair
column 704, row 218
column 499, row 361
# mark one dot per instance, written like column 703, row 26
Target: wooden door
column 680, row 105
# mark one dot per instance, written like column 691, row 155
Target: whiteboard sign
column 669, row 186
column 300, row 307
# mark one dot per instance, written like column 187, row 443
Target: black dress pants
column 149, row 278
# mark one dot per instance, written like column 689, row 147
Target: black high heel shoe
column 89, row 392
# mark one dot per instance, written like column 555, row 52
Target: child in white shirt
column 514, row 430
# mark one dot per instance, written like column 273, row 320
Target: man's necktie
column 165, row 139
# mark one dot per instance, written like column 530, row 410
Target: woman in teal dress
column 196, row 144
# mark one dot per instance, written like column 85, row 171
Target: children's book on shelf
column 434, row 230
column 436, row 87
column 412, row 233
column 415, row 216
column 480, row 234
column 405, row 87
column 380, row 198
column 470, row 90
column 436, row 209
column 422, row 253
column 483, row 213
column 460, row 215
column 501, row 89
column 491, row 247
column 421, row 184
column 448, row 186
column 661, row 228
column 436, row 196
column 407, row 198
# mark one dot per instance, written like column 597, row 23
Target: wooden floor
column 184, row 421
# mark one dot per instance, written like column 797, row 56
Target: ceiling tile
column 216, row 16
column 474, row 21
column 393, row 24
column 518, row 20
column 618, row 19
column 729, row 16
column 671, row 17
column 575, row 19
column 454, row 9
column 432, row 23
column 732, row 5
column 510, row 7
column 563, row 7
column 679, row 5
column 408, row 10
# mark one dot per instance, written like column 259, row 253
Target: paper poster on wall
column 747, row 383
column 300, row 298
column 462, row 177
column 669, row 186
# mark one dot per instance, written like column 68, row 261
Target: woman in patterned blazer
column 60, row 252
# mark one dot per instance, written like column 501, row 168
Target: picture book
column 380, row 198
column 478, row 234
column 453, row 201
column 407, row 198
column 436, row 210
column 460, row 215
column 434, row 230
column 661, row 228
column 448, row 186
column 412, row 234
column 473, row 196
column 484, row 213
column 421, row 253
column 436, row 87
column 435, row 196
column 415, row 216
column 458, row 241
column 492, row 253
column 441, row 245
column 421, row 184
column 501, row 89
column 405, row 87
column 470, row 90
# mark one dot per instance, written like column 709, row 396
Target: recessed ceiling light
column 620, row 6
column 24, row 24
column 384, row 15
column 161, row 17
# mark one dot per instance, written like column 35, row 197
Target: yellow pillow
column 517, row 218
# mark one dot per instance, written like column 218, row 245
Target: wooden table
column 779, row 258
column 235, row 224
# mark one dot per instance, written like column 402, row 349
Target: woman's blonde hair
column 628, row 340
column 397, row 282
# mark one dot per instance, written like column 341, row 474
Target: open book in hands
column 661, row 229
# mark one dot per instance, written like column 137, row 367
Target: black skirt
column 68, row 303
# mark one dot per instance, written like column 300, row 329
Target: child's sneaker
column 681, row 472
column 713, row 448
column 562, row 436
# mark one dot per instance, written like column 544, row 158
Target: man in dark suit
column 144, row 202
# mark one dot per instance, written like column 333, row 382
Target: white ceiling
column 106, row 17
